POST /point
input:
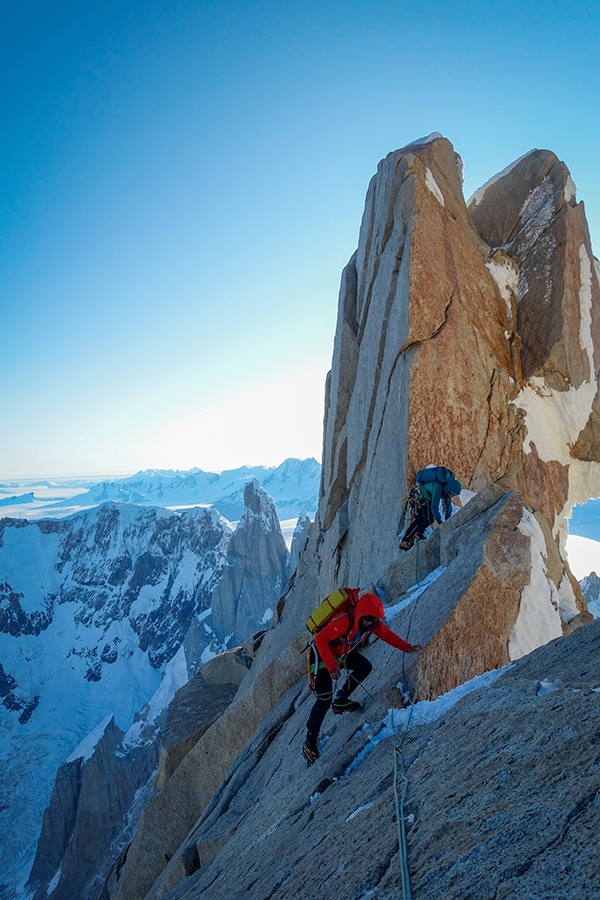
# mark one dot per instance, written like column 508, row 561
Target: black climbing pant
column 358, row 668
column 417, row 527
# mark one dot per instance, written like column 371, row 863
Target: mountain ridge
column 455, row 345
column 293, row 485
column 93, row 607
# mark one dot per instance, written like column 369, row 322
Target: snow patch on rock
column 428, row 139
column 567, row 603
column 554, row 419
column 546, row 687
column 433, row 186
column 570, row 189
column 421, row 713
column 413, row 593
column 53, row 883
column 538, row 620
column 506, row 275
column 86, row 748
column 358, row 811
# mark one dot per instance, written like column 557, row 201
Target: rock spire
column 441, row 356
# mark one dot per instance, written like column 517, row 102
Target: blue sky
column 182, row 184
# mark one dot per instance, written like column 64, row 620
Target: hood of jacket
column 369, row 605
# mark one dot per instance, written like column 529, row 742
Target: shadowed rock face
column 159, row 856
column 531, row 213
column 255, row 571
column 299, row 540
column 90, row 801
column 100, row 793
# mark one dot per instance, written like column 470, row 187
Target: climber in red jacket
column 338, row 644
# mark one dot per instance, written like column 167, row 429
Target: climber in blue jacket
column 434, row 485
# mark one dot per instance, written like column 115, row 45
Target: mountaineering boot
column 310, row 751
column 344, row 704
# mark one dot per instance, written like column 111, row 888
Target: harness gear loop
column 311, row 678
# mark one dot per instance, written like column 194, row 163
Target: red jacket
column 342, row 634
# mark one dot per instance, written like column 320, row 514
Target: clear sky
column 182, row 184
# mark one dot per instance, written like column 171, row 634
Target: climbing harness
column 309, row 669
column 415, row 502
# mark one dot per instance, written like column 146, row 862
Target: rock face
column 196, row 706
column 438, row 358
column 255, row 570
column 91, row 609
column 172, row 812
column 502, row 795
column 428, row 366
column 299, row 539
column 530, row 214
column 152, row 566
column 101, row 790
column 94, row 791
column 490, row 585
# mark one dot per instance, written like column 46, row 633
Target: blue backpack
column 445, row 482
column 434, row 473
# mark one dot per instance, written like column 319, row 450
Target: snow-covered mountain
column 294, row 486
column 590, row 587
column 92, row 608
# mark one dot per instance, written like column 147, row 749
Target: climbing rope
column 400, row 819
column 399, row 765
column 399, row 773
